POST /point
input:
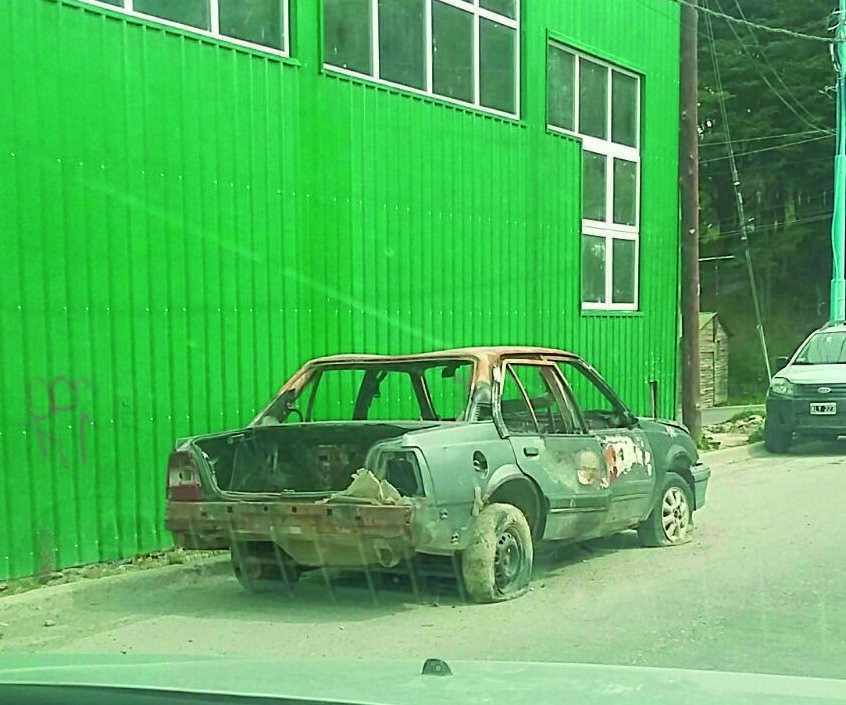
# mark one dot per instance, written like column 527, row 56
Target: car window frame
column 629, row 419
column 551, row 378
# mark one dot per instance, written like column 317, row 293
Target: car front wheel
column 777, row 438
column 497, row 563
column 671, row 520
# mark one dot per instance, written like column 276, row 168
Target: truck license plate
column 826, row 409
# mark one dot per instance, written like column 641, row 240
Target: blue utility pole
column 838, row 220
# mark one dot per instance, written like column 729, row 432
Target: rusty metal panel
column 185, row 222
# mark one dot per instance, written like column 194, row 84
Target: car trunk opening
column 294, row 459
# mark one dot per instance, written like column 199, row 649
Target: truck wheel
column 261, row 567
column 671, row 519
column 497, row 564
column 777, row 438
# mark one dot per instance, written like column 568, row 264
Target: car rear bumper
column 336, row 535
column 701, row 474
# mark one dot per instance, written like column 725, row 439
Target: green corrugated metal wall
column 184, row 223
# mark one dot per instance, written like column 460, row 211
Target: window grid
column 607, row 228
column 430, row 78
column 478, row 13
column 128, row 8
column 214, row 15
column 374, row 37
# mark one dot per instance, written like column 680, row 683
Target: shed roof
column 705, row 317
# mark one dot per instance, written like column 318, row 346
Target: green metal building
column 198, row 195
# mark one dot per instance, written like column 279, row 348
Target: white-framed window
column 260, row 24
column 466, row 51
column 600, row 103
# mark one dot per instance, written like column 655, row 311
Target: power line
column 814, row 218
column 768, row 137
column 766, row 149
column 748, row 23
column 770, row 167
column 739, row 199
column 754, row 36
column 766, row 80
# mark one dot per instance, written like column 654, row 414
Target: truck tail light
column 183, row 478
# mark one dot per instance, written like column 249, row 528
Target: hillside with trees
column 779, row 96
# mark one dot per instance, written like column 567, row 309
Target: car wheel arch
column 509, row 485
column 681, row 465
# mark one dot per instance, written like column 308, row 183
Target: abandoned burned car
column 364, row 461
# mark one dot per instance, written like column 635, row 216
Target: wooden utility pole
column 689, row 189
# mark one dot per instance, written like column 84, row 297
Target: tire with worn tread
column 497, row 563
column 671, row 520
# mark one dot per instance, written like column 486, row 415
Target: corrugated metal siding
column 631, row 349
column 188, row 222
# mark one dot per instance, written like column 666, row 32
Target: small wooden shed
column 713, row 360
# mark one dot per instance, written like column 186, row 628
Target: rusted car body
column 478, row 453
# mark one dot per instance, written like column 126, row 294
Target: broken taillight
column 183, row 477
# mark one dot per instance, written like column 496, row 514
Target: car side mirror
column 780, row 362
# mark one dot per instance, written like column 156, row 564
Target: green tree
column 778, row 93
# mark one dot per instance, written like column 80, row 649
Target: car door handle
column 530, row 451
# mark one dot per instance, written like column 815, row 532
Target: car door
column 532, row 412
column 625, row 447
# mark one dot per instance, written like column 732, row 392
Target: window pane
column 346, row 34
column 503, row 7
column 593, row 186
column 599, row 410
column 624, row 263
column 560, row 93
column 624, row 109
column 497, row 70
column 334, row 396
column 194, row 13
column 402, row 42
column 593, row 269
column 257, row 21
column 449, row 388
column 544, row 403
column 516, row 414
column 625, row 192
column 393, row 399
column 593, row 99
column 452, row 52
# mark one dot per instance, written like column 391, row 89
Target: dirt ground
column 760, row 588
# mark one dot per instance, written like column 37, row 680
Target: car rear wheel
column 497, row 563
column 777, row 438
column 671, row 520
column 262, row 567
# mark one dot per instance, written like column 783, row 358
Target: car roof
column 489, row 353
column 832, row 327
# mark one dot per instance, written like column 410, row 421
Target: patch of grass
column 705, row 442
column 756, row 436
column 156, row 559
column 755, row 398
